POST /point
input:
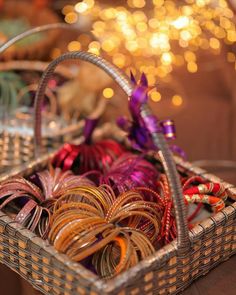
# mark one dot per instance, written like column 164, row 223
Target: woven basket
column 17, row 147
column 168, row 271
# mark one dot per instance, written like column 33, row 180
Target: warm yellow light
column 161, row 71
column 139, row 16
column 141, row 26
column 225, row 23
column 139, row 3
column 231, row 57
column 165, row 33
column 119, row 60
column 110, row 13
column 153, row 23
column 219, row 33
column 95, row 44
column 177, row 100
column 214, row 43
column 81, row 7
column 228, row 13
column 185, row 35
column 108, row 92
column 187, row 10
column 231, row 35
column 108, row 45
column 130, row 3
column 94, row 50
column 190, row 56
column 210, row 25
column 99, row 26
column 166, row 58
column 68, row 8
column 142, row 42
column 74, row 46
column 183, row 43
column 222, row 3
column 55, row 53
column 201, row 3
column 181, row 22
column 71, row 18
column 151, row 79
column 158, row 3
column 131, row 45
column 121, row 16
column 155, row 96
column 159, row 40
column 192, row 67
column 90, row 3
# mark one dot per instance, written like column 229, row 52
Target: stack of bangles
column 108, row 221
column 115, row 232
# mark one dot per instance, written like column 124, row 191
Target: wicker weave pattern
column 166, row 272
column 16, row 149
column 212, row 242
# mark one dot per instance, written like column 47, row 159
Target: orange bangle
column 117, row 231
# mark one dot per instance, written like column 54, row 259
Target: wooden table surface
column 219, row 281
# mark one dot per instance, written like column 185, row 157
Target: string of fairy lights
column 153, row 36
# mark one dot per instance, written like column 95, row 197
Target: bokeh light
column 154, row 36
column 108, row 92
column 155, row 96
column 169, row 32
column 177, row 100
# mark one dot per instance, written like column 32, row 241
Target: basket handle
column 183, row 240
column 101, row 106
column 36, row 30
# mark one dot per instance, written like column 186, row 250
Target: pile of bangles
column 103, row 205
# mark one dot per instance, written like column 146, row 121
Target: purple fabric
column 132, row 78
column 89, row 127
column 152, row 124
column 168, row 128
column 124, row 123
column 143, row 80
column 141, row 127
column 138, row 97
column 177, row 150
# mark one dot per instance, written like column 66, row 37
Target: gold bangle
column 116, row 231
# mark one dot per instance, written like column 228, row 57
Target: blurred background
column 186, row 49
